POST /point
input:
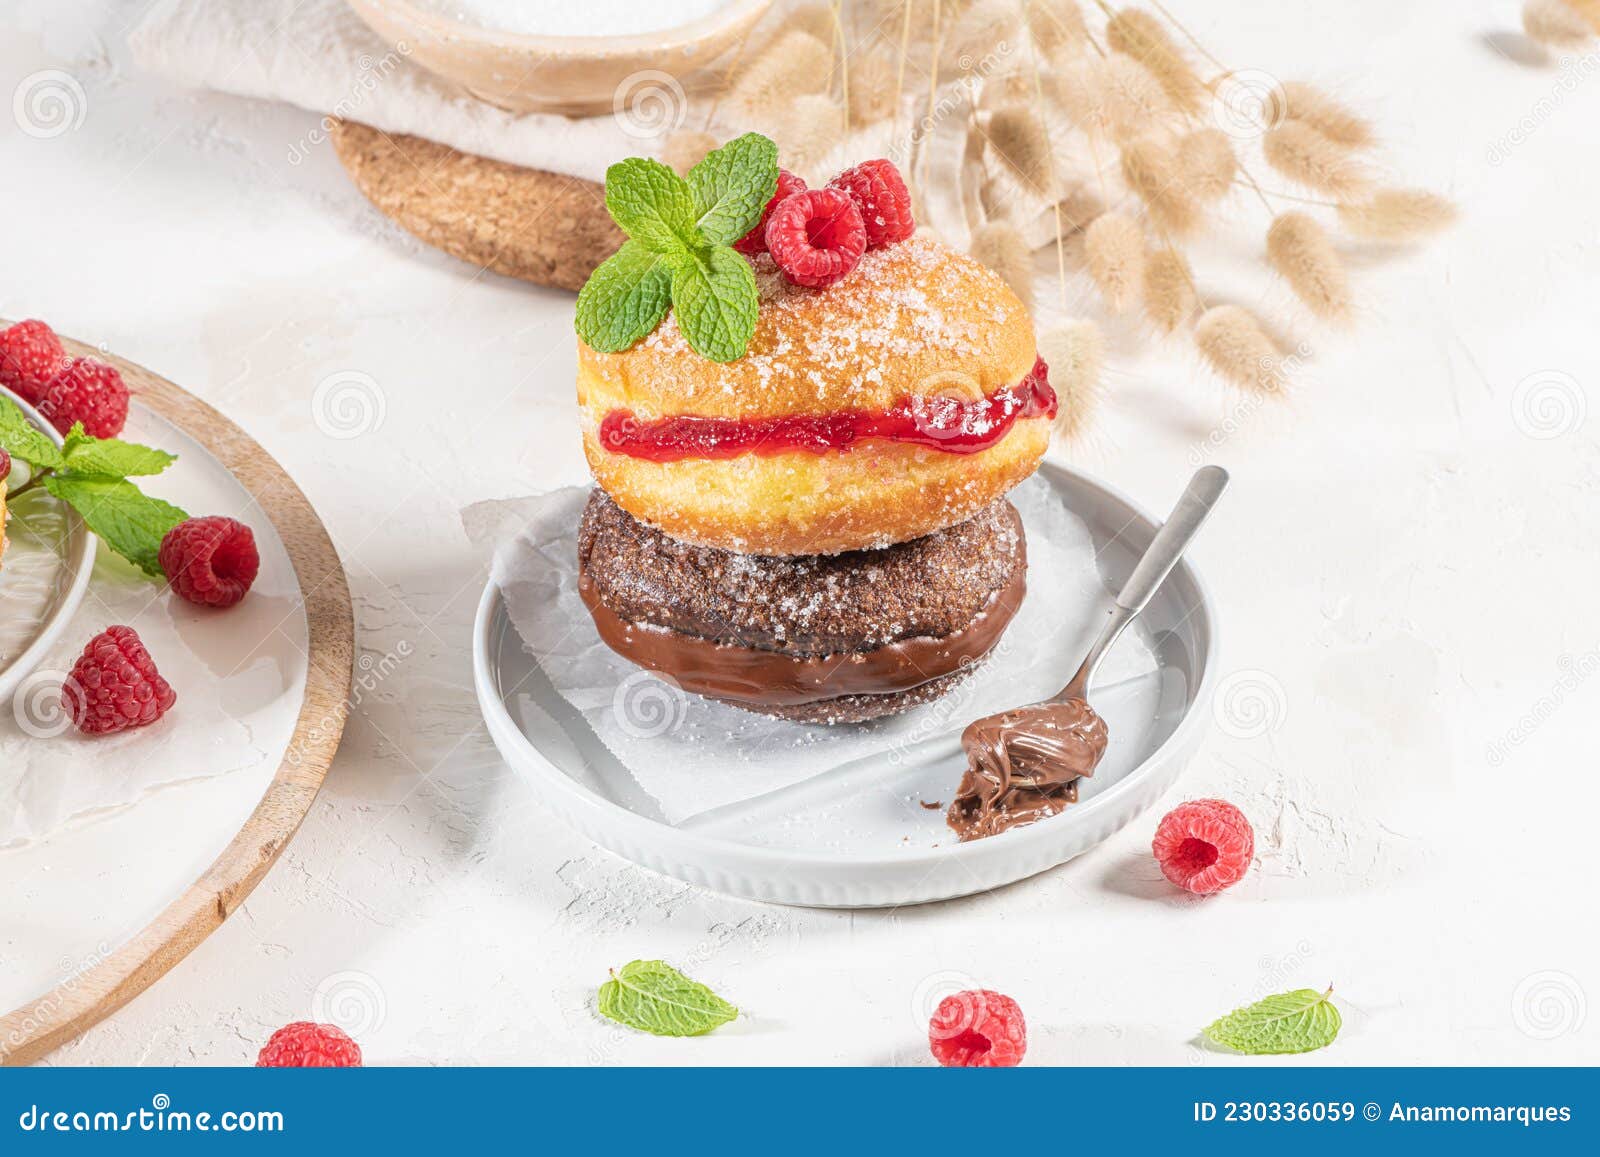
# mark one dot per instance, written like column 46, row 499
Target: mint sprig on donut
column 679, row 251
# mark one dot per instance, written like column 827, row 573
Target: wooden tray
column 529, row 224
column 59, row 1015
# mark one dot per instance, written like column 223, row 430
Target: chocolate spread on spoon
column 1024, row 765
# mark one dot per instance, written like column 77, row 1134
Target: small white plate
column 48, row 564
column 785, row 847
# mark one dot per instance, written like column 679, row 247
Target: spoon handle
column 1165, row 549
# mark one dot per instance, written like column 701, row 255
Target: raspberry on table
column 305, row 1045
column 210, row 561
column 30, row 355
column 816, row 236
column 115, row 686
column 978, row 1029
column 881, row 195
column 755, row 241
column 90, row 392
column 1204, row 846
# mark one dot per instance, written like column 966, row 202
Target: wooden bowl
column 571, row 75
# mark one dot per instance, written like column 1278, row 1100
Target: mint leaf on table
column 716, row 300
column 656, row 998
column 652, row 205
column 22, row 439
column 111, row 457
column 1291, row 1022
column 624, row 299
column 732, row 185
column 129, row 521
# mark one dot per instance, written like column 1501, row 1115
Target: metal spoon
column 1022, row 746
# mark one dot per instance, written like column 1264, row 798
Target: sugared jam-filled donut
column 821, row 639
column 897, row 402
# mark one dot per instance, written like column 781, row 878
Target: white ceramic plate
column 98, row 835
column 43, row 576
column 786, row 847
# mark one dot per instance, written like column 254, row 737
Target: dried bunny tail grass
column 1114, row 247
column 980, row 32
column 1589, row 10
column 1019, row 138
column 1555, row 23
column 1151, row 170
column 1058, row 27
column 1008, row 87
column 1140, row 35
column 873, row 79
column 1306, row 157
column 1208, row 163
column 1075, row 353
column 1302, row 252
column 1233, row 344
column 794, row 64
column 1397, row 215
column 1109, row 96
column 685, row 149
column 809, row 130
column 1003, row 249
column 1296, row 101
column 1079, row 207
column 814, row 19
column 1169, row 295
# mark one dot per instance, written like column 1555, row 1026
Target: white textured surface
column 1400, row 564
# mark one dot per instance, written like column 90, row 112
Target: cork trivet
column 59, row 1015
column 530, row 224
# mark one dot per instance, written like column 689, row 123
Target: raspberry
column 90, row 392
column 210, row 561
column 816, row 237
column 30, row 355
column 115, row 685
column 1204, row 846
column 978, row 1029
column 882, row 198
column 755, row 241
column 304, row 1045
column 5, row 465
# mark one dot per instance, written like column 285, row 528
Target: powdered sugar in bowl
column 578, row 60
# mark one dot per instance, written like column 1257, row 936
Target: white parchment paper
column 691, row 754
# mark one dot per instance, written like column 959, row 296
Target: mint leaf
column 654, row 997
column 127, row 520
column 22, row 439
column 112, row 457
column 1291, row 1022
column 652, row 204
column 624, row 299
column 732, row 185
column 715, row 296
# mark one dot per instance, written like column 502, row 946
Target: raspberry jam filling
column 940, row 422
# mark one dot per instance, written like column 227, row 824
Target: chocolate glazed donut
column 837, row 638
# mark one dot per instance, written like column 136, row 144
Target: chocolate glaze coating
column 961, row 584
